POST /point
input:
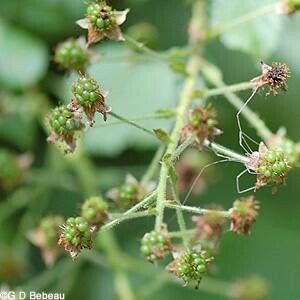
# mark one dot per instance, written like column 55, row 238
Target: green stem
column 226, row 152
column 219, row 30
column 140, row 46
column 167, row 115
column 180, row 149
column 214, row 75
column 143, row 203
column 123, row 218
column 242, row 86
column 132, row 123
column 179, row 234
column 197, row 210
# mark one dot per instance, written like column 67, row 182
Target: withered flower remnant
column 243, row 214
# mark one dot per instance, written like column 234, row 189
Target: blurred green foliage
column 30, row 83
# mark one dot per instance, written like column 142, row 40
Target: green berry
column 76, row 235
column 63, row 122
column 86, row 91
column 94, row 211
column 155, row 245
column 273, row 167
column 191, row 266
column 129, row 193
column 70, row 55
column 101, row 16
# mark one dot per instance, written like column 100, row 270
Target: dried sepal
column 102, row 21
column 202, row 124
column 273, row 76
column 243, row 214
column 87, row 96
column 46, row 236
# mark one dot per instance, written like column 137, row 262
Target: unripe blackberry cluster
column 11, row 172
column 290, row 150
column 243, row 214
column 155, row 245
column 190, row 266
column 94, row 211
column 71, row 56
column 204, row 115
column 63, row 122
column 129, row 193
column 101, row 16
column 87, row 95
column 272, row 168
column 76, row 235
column 202, row 122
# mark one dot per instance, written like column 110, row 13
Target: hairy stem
column 132, row 123
column 185, row 98
column 242, row 86
column 196, row 210
column 219, row 149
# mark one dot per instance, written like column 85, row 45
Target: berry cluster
column 290, row 149
column 64, row 124
column 272, row 168
column 243, row 214
column 71, row 55
column 202, row 122
column 94, row 211
column 155, row 245
column 87, row 95
column 102, row 21
column 129, row 193
column 101, row 16
column 191, row 265
column 76, row 235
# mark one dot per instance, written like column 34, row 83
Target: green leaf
column 23, row 57
column 136, row 88
column 258, row 37
column 162, row 135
